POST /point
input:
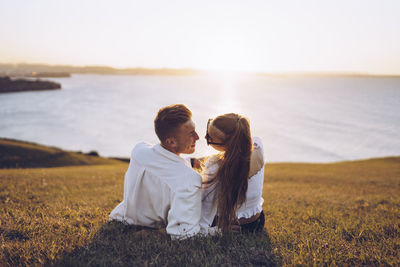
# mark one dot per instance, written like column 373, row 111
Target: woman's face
column 215, row 137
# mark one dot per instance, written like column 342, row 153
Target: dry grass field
column 316, row 214
column 335, row 214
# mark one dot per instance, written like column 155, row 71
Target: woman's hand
column 235, row 228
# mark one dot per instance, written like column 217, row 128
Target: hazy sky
column 307, row 35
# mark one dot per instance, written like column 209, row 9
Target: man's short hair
column 169, row 119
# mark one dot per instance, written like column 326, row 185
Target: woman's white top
column 253, row 202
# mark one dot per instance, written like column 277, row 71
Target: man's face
column 186, row 138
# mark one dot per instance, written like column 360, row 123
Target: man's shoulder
column 142, row 150
column 141, row 146
column 183, row 177
column 173, row 172
column 193, row 176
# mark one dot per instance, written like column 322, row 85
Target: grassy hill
column 324, row 214
column 21, row 154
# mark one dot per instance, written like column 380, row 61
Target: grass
column 316, row 214
column 335, row 214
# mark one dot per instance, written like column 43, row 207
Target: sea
column 298, row 118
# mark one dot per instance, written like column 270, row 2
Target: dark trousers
column 253, row 227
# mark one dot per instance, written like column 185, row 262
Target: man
column 161, row 189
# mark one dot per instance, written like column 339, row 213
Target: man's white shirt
column 161, row 190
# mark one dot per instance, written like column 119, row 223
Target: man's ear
column 171, row 142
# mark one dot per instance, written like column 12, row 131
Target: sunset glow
column 264, row 36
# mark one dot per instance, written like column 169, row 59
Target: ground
column 324, row 214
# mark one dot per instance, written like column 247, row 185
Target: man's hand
column 196, row 163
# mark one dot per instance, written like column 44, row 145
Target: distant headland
column 49, row 74
column 8, row 85
column 45, row 70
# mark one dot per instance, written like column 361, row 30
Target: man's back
column 161, row 190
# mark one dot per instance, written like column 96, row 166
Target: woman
column 233, row 179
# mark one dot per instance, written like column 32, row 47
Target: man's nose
column 196, row 136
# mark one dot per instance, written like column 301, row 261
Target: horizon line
column 206, row 71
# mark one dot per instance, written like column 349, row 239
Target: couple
column 162, row 190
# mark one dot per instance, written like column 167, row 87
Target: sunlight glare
column 227, row 93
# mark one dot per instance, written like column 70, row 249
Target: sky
column 360, row 36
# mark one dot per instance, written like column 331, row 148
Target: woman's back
column 253, row 202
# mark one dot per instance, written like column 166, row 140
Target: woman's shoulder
column 257, row 142
column 257, row 157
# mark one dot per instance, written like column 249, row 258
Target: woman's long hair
column 232, row 176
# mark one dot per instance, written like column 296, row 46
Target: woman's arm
column 256, row 161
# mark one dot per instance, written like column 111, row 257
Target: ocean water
column 299, row 119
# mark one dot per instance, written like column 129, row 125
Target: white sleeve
column 208, row 211
column 184, row 214
column 188, row 159
column 208, row 205
column 132, row 176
